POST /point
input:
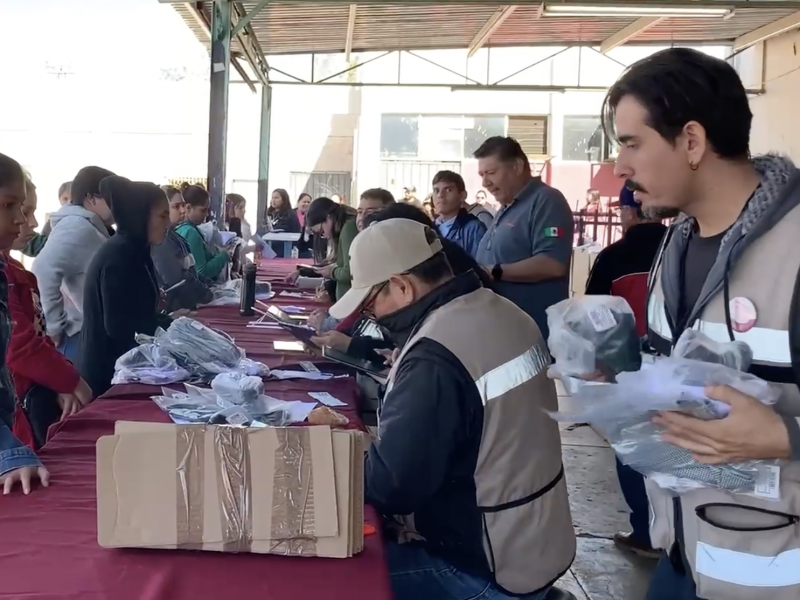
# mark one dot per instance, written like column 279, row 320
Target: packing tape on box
column 292, row 532
column 232, row 468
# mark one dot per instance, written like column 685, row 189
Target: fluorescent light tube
column 615, row 10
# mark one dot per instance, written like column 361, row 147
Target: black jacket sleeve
column 601, row 276
column 422, row 423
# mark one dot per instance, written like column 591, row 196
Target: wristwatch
column 497, row 272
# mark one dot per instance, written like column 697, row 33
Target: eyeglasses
column 369, row 303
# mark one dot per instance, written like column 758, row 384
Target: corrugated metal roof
column 290, row 28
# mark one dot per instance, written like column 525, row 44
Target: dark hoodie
column 121, row 294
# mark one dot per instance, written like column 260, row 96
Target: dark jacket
column 120, row 300
column 622, row 268
column 430, row 472
column 284, row 220
column 467, row 231
column 174, row 262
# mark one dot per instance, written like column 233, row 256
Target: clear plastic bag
column 590, row 334
column 203, row 351
column 187, row 350
column 238, row 388
column 622, row 412
column 696, row 345
column 228, row 294
column 198, row 405
column 147, row 364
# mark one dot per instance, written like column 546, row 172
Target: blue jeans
column 70, row 347
column 632, row 484
column 417, row 575
column 667, row 584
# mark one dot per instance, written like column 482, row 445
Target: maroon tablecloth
column 48, row 540
column 258, row 343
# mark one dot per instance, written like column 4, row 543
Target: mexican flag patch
column 553, row 232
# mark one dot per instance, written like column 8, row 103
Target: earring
column 693, row 166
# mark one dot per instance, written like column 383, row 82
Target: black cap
column 87, row 183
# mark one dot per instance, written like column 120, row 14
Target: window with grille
column 584, row 139
column 530, row 132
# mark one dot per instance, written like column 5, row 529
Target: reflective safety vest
column 528, row 537
column 739, row 547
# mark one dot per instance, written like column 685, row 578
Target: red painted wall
column 574, row 178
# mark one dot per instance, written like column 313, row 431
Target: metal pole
column 218, row 106
column 263, row 154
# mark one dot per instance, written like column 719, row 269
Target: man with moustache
column 728, row 268
column 528, row 247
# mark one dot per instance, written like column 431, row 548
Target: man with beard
column 729, row 269
column 467, row 465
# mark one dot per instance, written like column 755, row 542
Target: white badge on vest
column 743, row 314
column 188, row 262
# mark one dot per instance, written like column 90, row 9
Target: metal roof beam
column 492, row 24
column 767, row 31
column 248, row 17
column 626, row 34
column 351, row 29
column 247, row 42
column 242, row 73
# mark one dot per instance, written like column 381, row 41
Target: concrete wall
column 776, row 119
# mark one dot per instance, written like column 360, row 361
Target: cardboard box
column 292, row 491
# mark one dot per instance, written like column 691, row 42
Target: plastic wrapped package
column 696, row 345
column 198, row 405
column 205, row 352
column 147, row 364
column 591, row 334
column 622, row 412
column 230, row 292
column 237, row 387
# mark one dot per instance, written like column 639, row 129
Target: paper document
column 299, row 411
column 227, row 237
column 327, row 399
column 311, row 375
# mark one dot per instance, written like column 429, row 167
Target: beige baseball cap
column 386, row 248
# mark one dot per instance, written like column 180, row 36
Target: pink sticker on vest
column 743, row 314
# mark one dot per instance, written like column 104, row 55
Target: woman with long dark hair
column 122, row 297
column 281, row 217
column 280, row 213
column 336, row 223
column 209, row 264
column 175, row 263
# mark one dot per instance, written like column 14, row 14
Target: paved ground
column 600, row 571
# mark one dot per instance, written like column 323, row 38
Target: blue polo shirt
column 539, row 221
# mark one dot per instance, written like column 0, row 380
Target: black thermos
column 248, row 298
